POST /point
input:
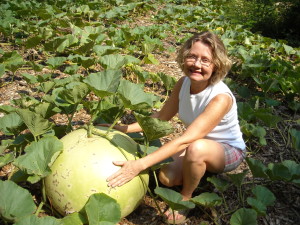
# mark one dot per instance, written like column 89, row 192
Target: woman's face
column 198, row 65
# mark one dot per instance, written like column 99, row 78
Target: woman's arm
column 202, row 125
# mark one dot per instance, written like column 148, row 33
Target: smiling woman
column 212, row 141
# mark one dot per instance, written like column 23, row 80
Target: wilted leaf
column 153, row 128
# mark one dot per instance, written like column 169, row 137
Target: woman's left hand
column 129, row 170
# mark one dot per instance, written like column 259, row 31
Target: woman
column 212, row 141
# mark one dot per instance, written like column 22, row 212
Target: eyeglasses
column 193, row 59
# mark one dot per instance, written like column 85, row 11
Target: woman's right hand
column 116, row 127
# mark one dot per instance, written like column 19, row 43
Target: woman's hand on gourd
column 116, row 127
column 129, row 170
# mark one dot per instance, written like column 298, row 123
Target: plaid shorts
column 233, row 157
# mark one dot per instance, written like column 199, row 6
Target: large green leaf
column 104, row 83
column 173, row 199
column 39, row 157
column 11, row 124
column 134, row 97
column 35, row 122
column 34, row 220
column 15, row 202
column 102, row 210
column 244, row 216
column 153, row 127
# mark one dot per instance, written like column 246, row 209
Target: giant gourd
column 83, row 167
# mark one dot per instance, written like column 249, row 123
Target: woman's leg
column 200, row 156
column 171, row 174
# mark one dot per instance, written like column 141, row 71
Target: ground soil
column 286, row 210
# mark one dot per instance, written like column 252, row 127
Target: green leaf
column 7, row 158
column 238, row 178
column 55, row 62
column 153, row 128
column 15, row 202
column 74, row 95
column 293, row 167
column 33, row 41
column 104, row 83
column 30, row 79
column 2, row 70
column 264, row 195
column 35, row 122
column 74, row 219
column 34, row 220
column 114, row 62
column 45, row 109
column 221, row 184
column 11, row 124
column 256, row 204
column 101, row 50
column 207, row 199
column 278, row 171
column 102, row 210
column 295, row 134
column 169, row 81
column 150, row 59
column 173, row 199
column 258, row 169
column 244, row 216
column 11, row 61
column 134, row 97
column 7, row 109
column 47, row 86
column 39, row 157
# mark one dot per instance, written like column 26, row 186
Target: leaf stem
column 39, row 208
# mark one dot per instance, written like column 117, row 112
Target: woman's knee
column 196, row 151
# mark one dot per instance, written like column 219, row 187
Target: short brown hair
column 220, row 59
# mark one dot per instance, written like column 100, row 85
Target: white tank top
column 191, row 105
